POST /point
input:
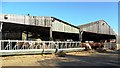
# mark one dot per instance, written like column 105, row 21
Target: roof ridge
column 91, row 23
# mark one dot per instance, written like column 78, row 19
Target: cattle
column 92, row 45
column 23, row 45
column 30, row 45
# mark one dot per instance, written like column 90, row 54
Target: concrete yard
column 71, row 59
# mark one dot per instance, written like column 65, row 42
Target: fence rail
column 110, row 45
column 10, row 47
column 22, row 45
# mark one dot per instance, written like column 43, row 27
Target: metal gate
column 25, row 47
column 110, row 45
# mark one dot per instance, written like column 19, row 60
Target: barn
column 27, row 27
column 97, row 31
column 46, row 34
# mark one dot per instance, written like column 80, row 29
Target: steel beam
column 51, row 38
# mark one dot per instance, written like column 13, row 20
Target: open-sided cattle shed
column 26, row 27
column 96, row 31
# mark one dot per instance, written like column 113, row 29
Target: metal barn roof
column 100, row 27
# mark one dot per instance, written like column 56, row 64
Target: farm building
column 21, row 32
column 26, row 27
column 97, row 31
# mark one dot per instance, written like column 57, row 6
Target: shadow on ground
column 108, row 51
column 100, row 59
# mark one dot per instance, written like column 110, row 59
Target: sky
column 60, row 0
column 76, row 13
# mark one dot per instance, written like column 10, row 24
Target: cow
column 92, row 45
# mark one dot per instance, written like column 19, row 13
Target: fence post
column 9, row 45
column 66, row 45
column 17, row 44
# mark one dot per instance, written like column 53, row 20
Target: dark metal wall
column 89, row 36
column 14, row 32
column 60, row 36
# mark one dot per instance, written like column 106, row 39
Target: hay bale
column 101, row 50
column 61, row 54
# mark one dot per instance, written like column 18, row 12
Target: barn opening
column 12, row 31
column 89, row 36
column 61, row 36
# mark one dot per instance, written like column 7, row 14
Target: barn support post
column 51, row 38
column 98, row 27
column 80, row 36
column 1, row 30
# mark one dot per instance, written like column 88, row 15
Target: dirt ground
column 71, row 59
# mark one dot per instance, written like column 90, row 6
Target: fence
column 110, row 45
column 20, row 47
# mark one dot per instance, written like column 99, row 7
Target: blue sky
column 76, row 13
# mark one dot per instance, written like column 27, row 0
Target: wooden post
column 51, row 38
column 98, row 27
column 1, row 31
column 80, row 36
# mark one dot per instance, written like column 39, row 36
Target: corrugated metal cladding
column 100, row 27
column 44, row 21
column 62, row 27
